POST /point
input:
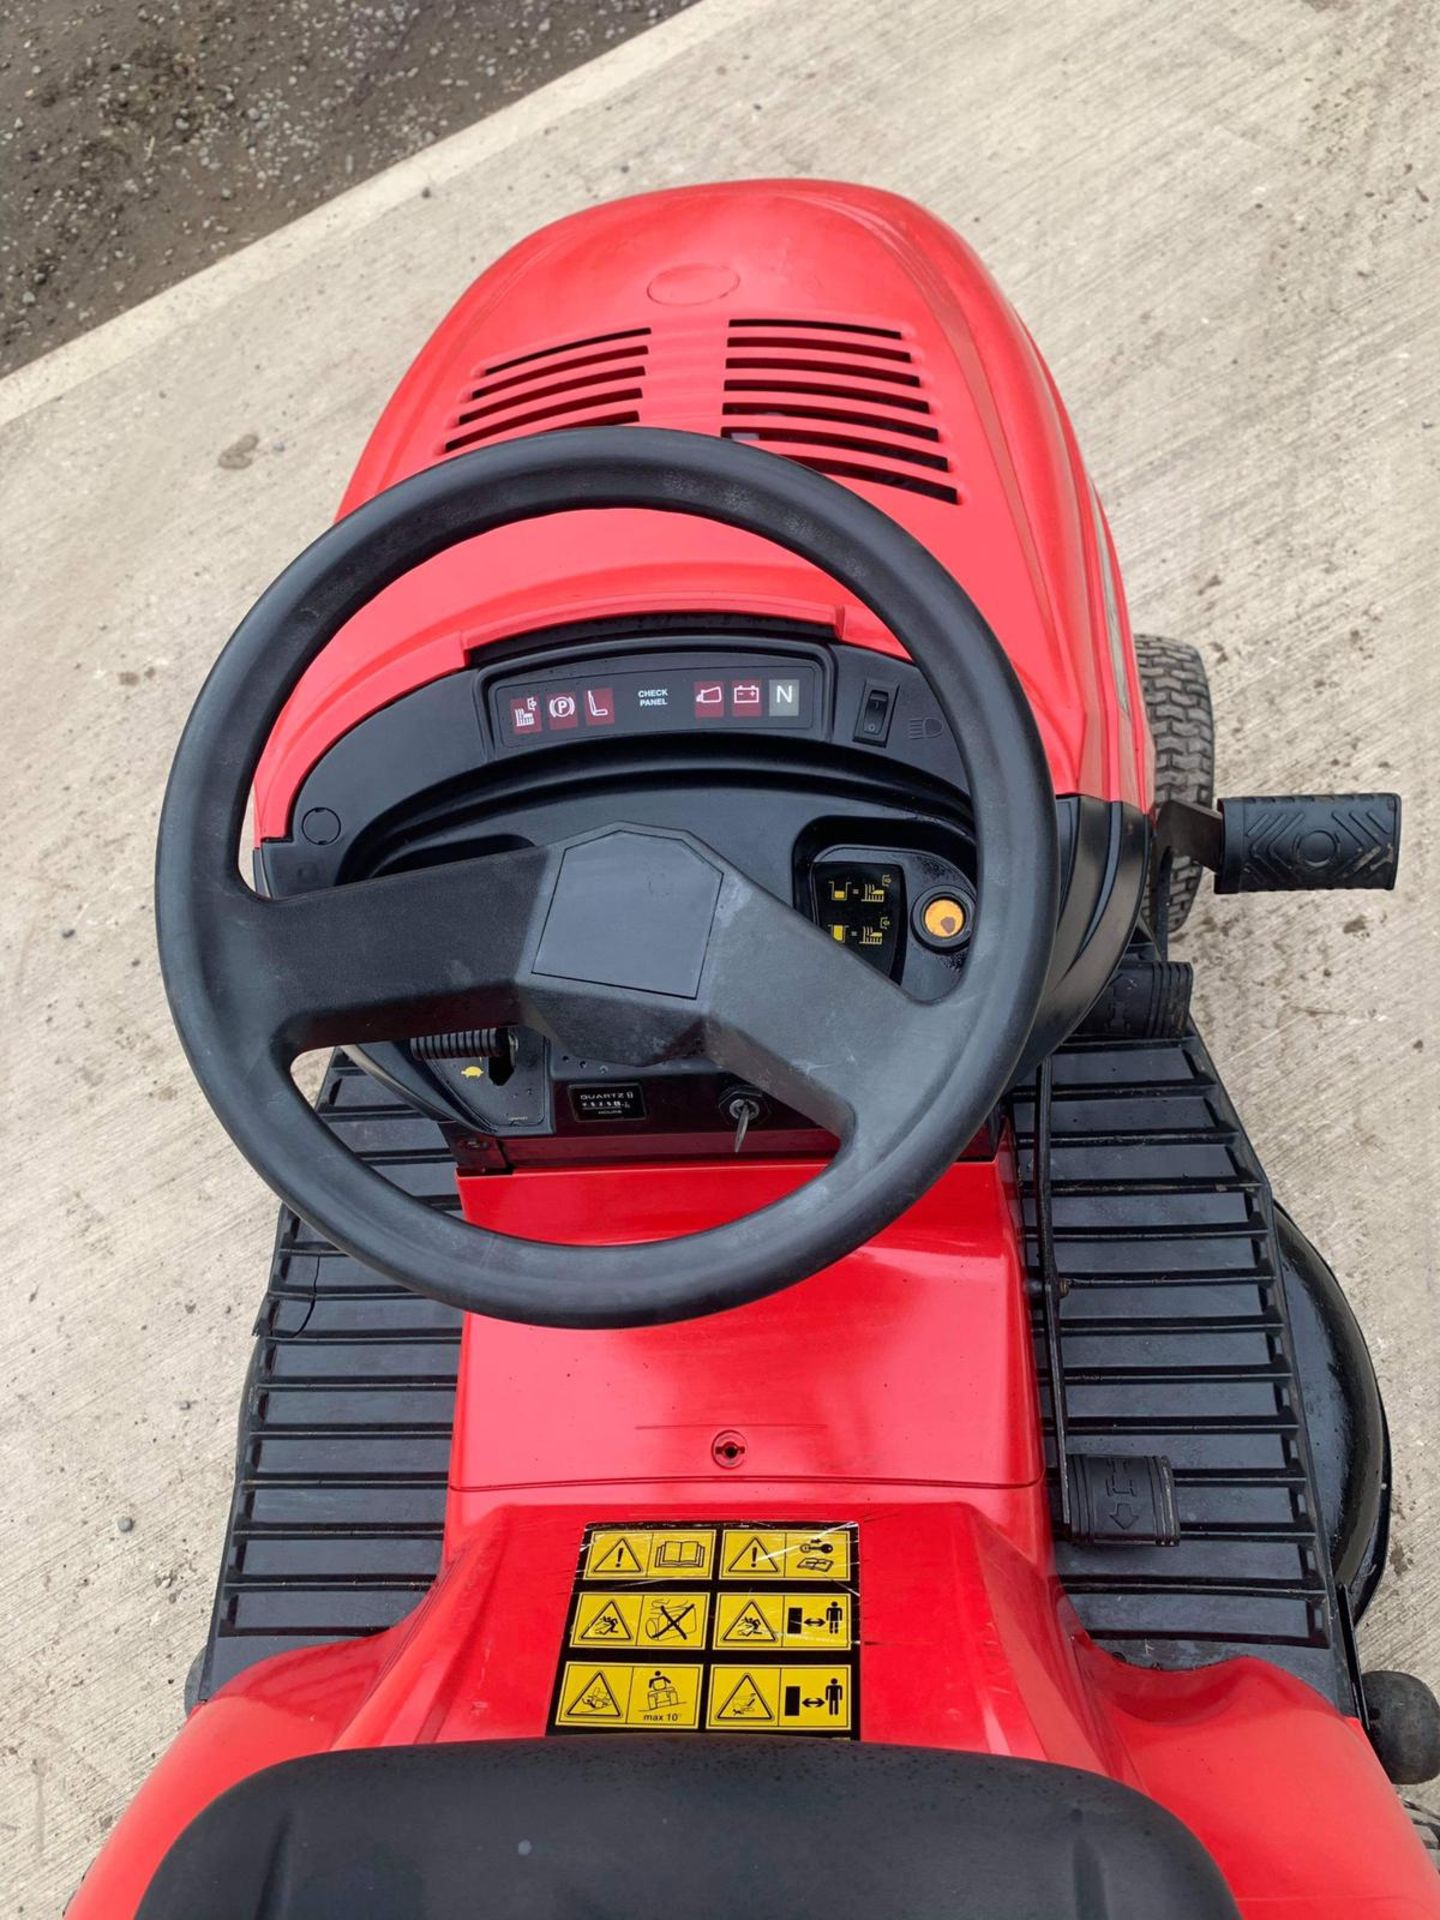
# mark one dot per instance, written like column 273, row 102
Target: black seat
column 638, row 1828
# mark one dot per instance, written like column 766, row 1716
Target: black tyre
column 1403, row 1719
column 1427, row 1829
column 1182, row 722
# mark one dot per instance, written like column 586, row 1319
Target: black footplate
column 1182, row 1415
column 344, row 1447
column 1184, row 1419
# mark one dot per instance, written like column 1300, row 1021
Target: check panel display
column 603, row 700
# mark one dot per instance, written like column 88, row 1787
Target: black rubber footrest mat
column 344, row 1446
column 1175, row 1341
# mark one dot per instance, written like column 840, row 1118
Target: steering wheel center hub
column 631, row 910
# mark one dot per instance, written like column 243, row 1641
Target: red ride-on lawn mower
column 869, row 1443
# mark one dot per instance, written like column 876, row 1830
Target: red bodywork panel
column 645, row 310
column 942, row 1288
column 896, row 1389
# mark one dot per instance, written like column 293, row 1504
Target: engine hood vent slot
column 846, row 398
column 595, row 382
column 842, row 397
column 818, row 326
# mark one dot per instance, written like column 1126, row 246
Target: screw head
column 728, row 1448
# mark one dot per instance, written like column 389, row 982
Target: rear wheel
column 1182, row 724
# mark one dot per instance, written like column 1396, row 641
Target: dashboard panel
column 607, row 700
column 823, row 771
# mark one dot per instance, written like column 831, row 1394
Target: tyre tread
column 1182, row 724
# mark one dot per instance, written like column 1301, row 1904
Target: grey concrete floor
column 142, row 139
column 1218, row 222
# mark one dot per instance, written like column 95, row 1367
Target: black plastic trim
column 438, row 741
column 1344, row 1413
column 417, row 773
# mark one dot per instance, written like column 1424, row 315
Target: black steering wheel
column 630, row 945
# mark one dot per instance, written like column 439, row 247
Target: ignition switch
column 742, row 1107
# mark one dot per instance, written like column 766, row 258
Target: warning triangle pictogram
column 754, row 1557
column 749, row 1626
column 621, row 1558
column 745, row 1702
column 609, row 1625
column 595, row 1701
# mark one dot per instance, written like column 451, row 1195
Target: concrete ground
column 1218, row 223
column 142, row 139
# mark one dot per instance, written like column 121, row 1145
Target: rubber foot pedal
column 1309, row 842
column 1122, row 1500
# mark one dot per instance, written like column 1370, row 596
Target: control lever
column 744, row 1107
column 494, row 1044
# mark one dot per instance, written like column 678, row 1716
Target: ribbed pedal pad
column 1122, row 1500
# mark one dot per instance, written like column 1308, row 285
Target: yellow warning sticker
column 617, row 1695
column 606, row 1620
column 650, row 1553
column 768, row 1553
column 640, row 1620
column 727, row 1627
column 780, row 1699
column 783, row 1620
